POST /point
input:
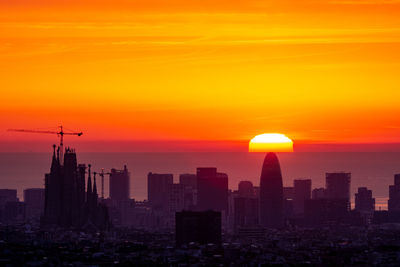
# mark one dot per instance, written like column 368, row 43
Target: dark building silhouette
column 119, row 184
column 34, row 200
column 364, row 202
column 394, row 195
column 65, row 202
column 325, row 211
column 302, row 192
column 201, row 227
column 157, row 190
column 246, row 212
column 246, row 189
column 271, row 193
column 212, row 189
column 188, row 179
column 318, row 193
column 338, row 185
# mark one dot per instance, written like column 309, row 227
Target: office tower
column 302, row 191
column 338, row 185
column 14, row 212
column 157, row 190
column 212, row 190
column 245, row 212
column 65, row 204
column 176, row 200
column 119, row 184
column 394, row 195
column 246, row 189
column 318, row 193
column 7, row 195
column 271, row 193
column 364, row 201
column 190, row 195
column 34, row 201
column 188, row 179
column 201, row 227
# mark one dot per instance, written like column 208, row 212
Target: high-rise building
column 190, row 196
column 7, row 195
column 271, row 193
column 318, row 193
column 212, row 189
column 394, row 195
column 338, row 185
column 188, row 179
column 364, row 202
column 245, row 212
column 157, row 190
column 200, row 227
column 34, row 201
column 246, row 189
column 119, row 184
column 302, row 192
column 176, row 198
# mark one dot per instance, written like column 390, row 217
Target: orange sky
column 320, row 71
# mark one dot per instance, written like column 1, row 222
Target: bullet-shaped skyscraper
column 271, row 193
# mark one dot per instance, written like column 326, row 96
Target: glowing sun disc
column 271, row 142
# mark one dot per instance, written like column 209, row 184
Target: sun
column 271, row 142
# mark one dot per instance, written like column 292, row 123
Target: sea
column 374, row 170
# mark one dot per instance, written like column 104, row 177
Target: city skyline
column 207, row 71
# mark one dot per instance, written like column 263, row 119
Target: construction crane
column 60, row 133
column 102, row 173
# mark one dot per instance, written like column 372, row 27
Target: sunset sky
column 209, row 71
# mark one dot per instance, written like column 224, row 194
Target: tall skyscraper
column 188, row 179
column 246, row 189
column 364, row 202
column 157, row 190
column 302, row 192
column 338, row 185
column 119, row 184
column 394, row 195
column 212, row 190
column 271, row 193
column 34, row 201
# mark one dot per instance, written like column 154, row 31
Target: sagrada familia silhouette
column 67, row 204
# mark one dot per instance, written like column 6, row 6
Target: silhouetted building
column 176, row 198
column 302, row 192
column 157, row 190
column 245, row 212
column 246, row 189
column 188, row 179
column 338, row 185
column 271, row 193
column 190, row 195
column 212, row 189
column 394, row 195
column 324, row 211
column 7, row 195
column 14, row 212
column 364, row 202
column 119, row 184
column 318, row 193
column 201, row 227
column 34, row 200
column 65, row 203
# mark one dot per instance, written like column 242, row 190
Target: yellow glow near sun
column 271, row 142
